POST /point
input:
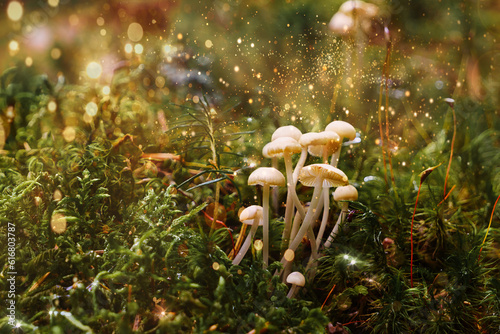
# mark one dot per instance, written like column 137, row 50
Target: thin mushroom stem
column 308, row 218
column 335, row 156
column 274, row 163
column 300, row 164
column 292, row 291
column 292, row 199
column 343, row 213
column 324, row 220
column 248, row 241
column 265, row 209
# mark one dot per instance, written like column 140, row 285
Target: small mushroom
column 266, row 177
column 250, row 216
column 342, row 195
column 296, row 279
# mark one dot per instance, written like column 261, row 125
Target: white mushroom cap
column 251, row 212
column 343, row 129
column 341, row 23
column 267, row 176
column 331, row 176
column 248, row 215
column 287, row 131
column 296, row 278
column 361, row 8
column 319, row 138
column 277, row 147
column 345, row 193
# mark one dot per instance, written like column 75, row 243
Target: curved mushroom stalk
column 319, row 176
column 251, row 215
column 342, row 194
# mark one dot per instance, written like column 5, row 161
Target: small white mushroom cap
column 343, row 129
column 267, row 176
column 248, row 215
column 286, row 131
column 361, row 8
column 296, row 278
column 319, row 138
column 279, row 146
column 332, row 176
column 341, row 23
column 345, row 193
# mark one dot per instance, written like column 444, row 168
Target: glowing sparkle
column 53, row 3
column 52, row 106
column 139, row 49
column 236, row 68
column 94, row 70
column 106, row 90
column 91, row 109
column 208, row 43
column 28, row 61
column 135, row 32
column 289, row 255
column 57, row 196
column 129, row 48
column 215, row 266
column 69, row 133
column 14, row 46
column 258, row 244
column 15, row 11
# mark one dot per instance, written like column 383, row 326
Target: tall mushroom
column 285, row 147
column 250, row 216
column 266, row 177
column 328, row 141
column 343, row 130
column 317, row 176
column 342, row 195
column 283, row 131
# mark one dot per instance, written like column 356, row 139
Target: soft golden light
column 15, row 10
column 135, row 32
column 57, row 196
column 52, row 106
column 94, row 70
column 258, row 244
column 55, row 53
column 91, row 109
column 129, row 48
column 138, row 48
column 14, row 46
column 53, row 3
column 289, row 255
column 69, row 133
column 106, row 90
column 28, row 61
column 58, row 223
column 208, row 43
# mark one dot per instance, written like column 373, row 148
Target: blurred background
column 285, row 62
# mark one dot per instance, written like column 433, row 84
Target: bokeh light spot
column 69, row 133
column 58, row 223
column 15, row 10
column 94, row 70
column 289, row 255
column 135, row 32
column 91, row 109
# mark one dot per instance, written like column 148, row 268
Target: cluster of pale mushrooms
column 299, row 220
